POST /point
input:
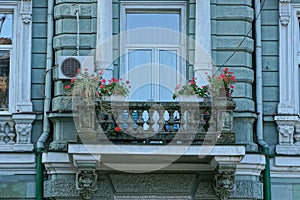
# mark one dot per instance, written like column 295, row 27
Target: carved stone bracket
column 289, row 134
column 23, row 127
column 284, row 12
column 86, row 183
column 86, row 177
column 26, row 11
column 224, row 179
column 224, row 184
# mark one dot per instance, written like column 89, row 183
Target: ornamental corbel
column 224, row 178
column 224, row 184
column 86, row 183
column 286, row 134
column 284, row 12
column 23, row 128
column 26, row 11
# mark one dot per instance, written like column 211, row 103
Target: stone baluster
column 145, row 118
column 161, row 120
column 155, row 117
column 125, row 118
column 185, row 121
column 166, row 117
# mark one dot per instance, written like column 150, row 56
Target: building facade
column 249, row 150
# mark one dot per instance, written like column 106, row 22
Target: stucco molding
column 289, row 134
column 23, row 73
column 284, row 12
column 23, row 128
column 26, row 11
column 288, row 64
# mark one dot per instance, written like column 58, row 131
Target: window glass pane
column 5, row 28
column 163, row 20
column 167, row 74
column 153, row 29
column 140, row 73
column 4, row 79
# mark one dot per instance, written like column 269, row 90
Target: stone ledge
column 285, row 167
column 251, row 165
column 17, row 163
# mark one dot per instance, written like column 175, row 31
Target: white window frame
column 153, row 7
column 20, row 58
column 203, row 64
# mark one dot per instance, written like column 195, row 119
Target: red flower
column 101, row 86
column 103, row 80
column 117, row 129
column 233, row 78
column 67, row 87
column 73, row 80
column 127, row 82
column 226, row 69
column 86, row 69
column 231, row 86
column 78, row 70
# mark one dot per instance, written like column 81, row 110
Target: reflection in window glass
column 4, row 79
column 5, row 29
column 158, row 20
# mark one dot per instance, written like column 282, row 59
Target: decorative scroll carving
column 284, row 12
column 286, row 134
column 224, row 184
column 26, row 18
column 86, row 183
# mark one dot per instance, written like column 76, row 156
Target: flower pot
column 191, row 98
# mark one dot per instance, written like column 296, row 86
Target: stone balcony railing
column 156, row 122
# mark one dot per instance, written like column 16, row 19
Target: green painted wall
column 39, row 42
column 270, row 62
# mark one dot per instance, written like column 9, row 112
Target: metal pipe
column 259, row 99
column 267, row 178
column 47, row 102
column 77, row 37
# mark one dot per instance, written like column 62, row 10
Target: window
column 5, row 51
column 15, row 56
column 191, row 18
column 153, row 50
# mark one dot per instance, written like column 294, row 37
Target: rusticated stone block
column 153, row 183
column 247, row 189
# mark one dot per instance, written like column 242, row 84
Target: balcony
column 122, row 122
column 121, row 136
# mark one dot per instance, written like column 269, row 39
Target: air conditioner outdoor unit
column 69, row 65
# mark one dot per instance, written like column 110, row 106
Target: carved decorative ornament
column 284, row 12
column 286, row 133
column 224, row 184
column 26, row 11
column 86, row 183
